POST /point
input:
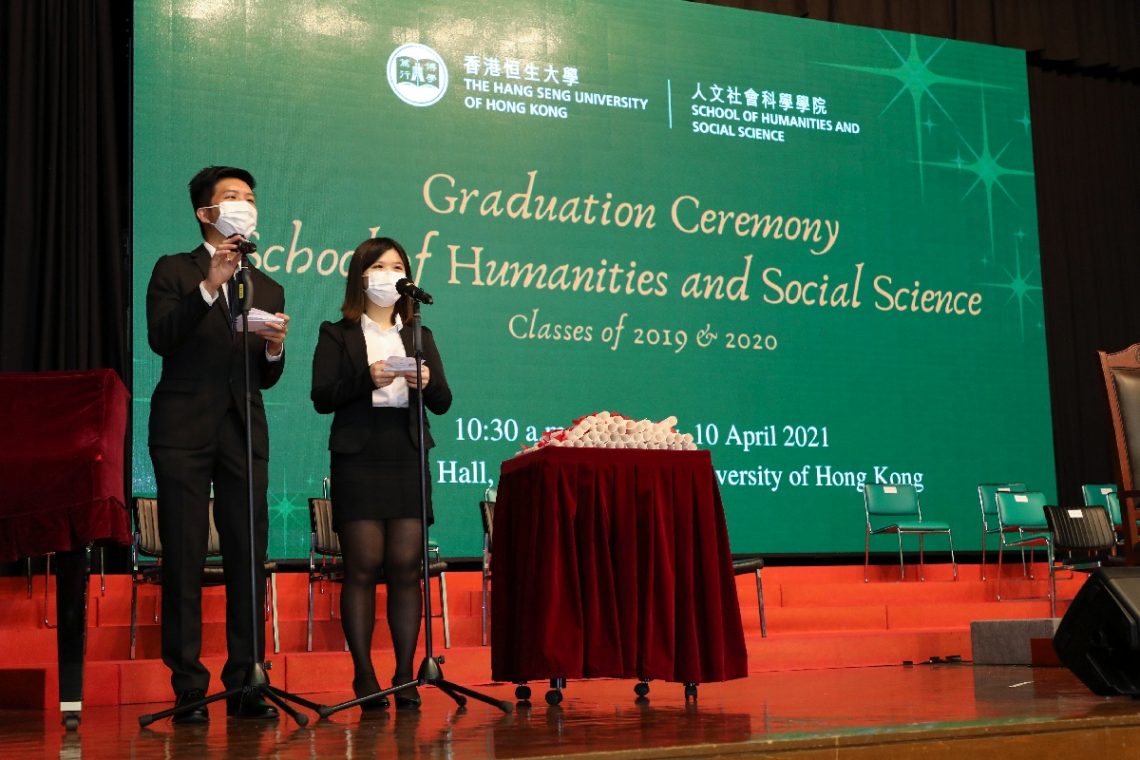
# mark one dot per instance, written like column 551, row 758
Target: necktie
column 232, row 300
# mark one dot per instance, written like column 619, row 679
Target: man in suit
column 197, row 435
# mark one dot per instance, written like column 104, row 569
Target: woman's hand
column 425, row 375
column 381, row 377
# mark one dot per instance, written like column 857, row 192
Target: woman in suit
column 374, row 456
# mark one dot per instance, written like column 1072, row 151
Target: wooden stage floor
column 929, row 711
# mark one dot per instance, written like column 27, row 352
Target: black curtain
column 64, row 274
column 65, row 86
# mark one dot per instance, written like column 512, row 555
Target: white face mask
column 382, row 287
column 235, row 218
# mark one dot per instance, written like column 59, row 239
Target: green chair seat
column 914, row 526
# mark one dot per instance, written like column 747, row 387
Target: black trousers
column 183, row 478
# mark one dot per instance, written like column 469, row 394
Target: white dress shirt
column 381, row 343
column 221, row 294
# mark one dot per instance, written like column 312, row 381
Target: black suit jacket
column 343, row 385
column 202, row 367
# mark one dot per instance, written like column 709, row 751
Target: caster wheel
column 522, row 692
column 641, row 688
column 71, row 721
column 554, row 697
column 690, row 692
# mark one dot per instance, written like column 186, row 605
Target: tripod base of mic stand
column 430, row 674
column 256, row 685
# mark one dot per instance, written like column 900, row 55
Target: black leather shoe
column 198, row 715
column 407, row 699
column 364, row 687
column 250, row 708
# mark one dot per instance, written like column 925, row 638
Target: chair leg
column 1052, row 582
column 1001, row 547
column 102, row 573
column 273, row 613
column 443, row 605
column 134, row 613
column 921, row 558
column 902, row 565
column 486, row 579
column 953, row 561
column 483, row 613
column 28, row 565
column 47, row 590
column 983, row 552
column 309, row 619
column 866, row 554
column 760, row 601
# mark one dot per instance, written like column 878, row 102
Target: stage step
column 818, row 617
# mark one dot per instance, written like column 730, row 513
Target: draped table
column 61, row 489
column 613, row 563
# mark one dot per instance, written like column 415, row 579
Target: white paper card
column 1020, row 497
column 890, row 489
column 257, row 320
column 1076, row 514
column 400, row 364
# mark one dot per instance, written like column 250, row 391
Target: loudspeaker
column 1099, row 637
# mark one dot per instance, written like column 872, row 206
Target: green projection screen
column 816, row 245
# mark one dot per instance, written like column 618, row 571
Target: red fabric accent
column 61, row 461
column 613, row 563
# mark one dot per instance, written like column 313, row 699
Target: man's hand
column 222, row 264
column 274, row 334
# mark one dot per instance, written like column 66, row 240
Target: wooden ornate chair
column 1122, row 384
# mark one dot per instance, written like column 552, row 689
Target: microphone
column 406, row 287
column 241, row 274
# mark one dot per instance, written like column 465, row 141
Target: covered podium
column 61, row 489
column 613, row 563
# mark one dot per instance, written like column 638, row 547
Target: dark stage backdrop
column 65, row 207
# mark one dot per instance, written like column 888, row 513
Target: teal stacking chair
column 990, row 527
column 1096, row 494
column 1021, row 517
column 1104, row 495
column 895, row 509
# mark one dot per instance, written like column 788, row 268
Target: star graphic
column 1024, row 121
column 289, row 523
column 987, row 167
column 1018, row 285
column 916, row 78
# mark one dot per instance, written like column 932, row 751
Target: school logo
column 417, row 74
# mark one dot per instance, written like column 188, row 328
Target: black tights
column 396, row 546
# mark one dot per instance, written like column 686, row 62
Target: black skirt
column 382, row 480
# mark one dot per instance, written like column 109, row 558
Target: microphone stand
column 430, row 673
column 256, row 680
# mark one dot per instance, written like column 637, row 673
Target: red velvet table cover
column 613, row 563
column 61, row 461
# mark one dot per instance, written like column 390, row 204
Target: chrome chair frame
column 1018, row 513
column 900, row 494
column 988, row 506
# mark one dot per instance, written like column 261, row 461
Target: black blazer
column 342, row 384
column 202, row 366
